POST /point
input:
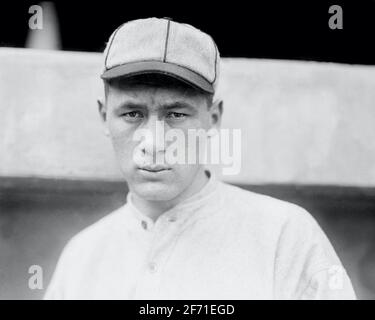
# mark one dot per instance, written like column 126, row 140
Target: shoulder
column 302, row 252
column 97, row 234
column 84, row 251
column 264, row 208
column 282, row 225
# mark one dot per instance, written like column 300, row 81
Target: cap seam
column 216, row 56
column 215, row 67
column 166, row 41
column 110, row 45
column 215, row 48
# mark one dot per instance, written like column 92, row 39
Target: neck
column 154, row 209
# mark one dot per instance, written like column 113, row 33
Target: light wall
column 301, row 122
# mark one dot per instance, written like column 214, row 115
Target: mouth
column 154, row 169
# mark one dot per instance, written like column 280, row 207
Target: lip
column 154, row 174
column 154, row 169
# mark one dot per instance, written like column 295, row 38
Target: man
column 182, row 234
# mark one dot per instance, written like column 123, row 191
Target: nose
column 154, row 140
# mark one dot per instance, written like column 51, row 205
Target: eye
column 176, row 115
column 132, row 115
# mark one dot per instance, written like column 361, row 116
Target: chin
column 156, row 191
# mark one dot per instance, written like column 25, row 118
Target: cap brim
column 146, row 67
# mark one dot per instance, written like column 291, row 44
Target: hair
column 158, row 81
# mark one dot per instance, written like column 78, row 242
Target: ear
column 216, row 112
column 102, row 108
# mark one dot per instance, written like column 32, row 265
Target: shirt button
column 144, row 224
column 152, row 267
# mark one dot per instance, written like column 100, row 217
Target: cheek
column 123, row 142
column 117, row 126
column 195, row 142
column 120, row 131
column 123, row 147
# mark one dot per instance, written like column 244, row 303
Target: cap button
column 168, row 18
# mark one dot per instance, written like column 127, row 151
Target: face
column 133, row 109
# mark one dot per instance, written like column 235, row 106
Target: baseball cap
column 163, row 46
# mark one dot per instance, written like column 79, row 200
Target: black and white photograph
column 187, row 151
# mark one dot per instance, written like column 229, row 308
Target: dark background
column 254, row 29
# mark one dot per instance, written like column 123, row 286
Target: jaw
column 155, row 190
column 170, row 186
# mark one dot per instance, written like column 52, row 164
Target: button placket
column 152, row 267
column 147, row 224
column 172, row 219
column 149, row 285
column 162, row 242
column 144, row 224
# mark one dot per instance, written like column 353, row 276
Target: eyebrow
column 173, row 105
column 178, row 105
column 130, row 105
